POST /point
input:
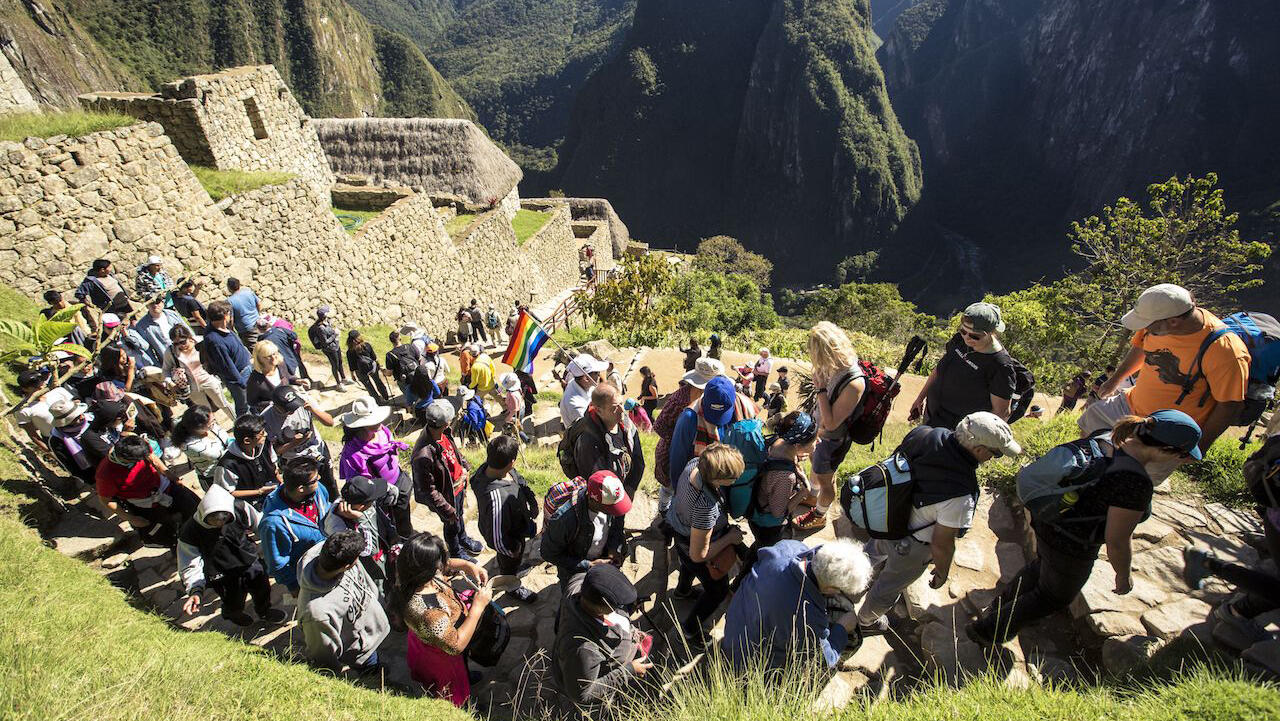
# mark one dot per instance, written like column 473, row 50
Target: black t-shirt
column 187, row 305
column 1083, row 527
column 966, row 381
column 648, row 387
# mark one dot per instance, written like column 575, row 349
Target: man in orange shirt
column 1169, row 331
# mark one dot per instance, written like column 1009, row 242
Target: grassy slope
column 222, row 183
column 528, row 222
column 18, row 126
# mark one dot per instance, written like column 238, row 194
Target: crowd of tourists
column 224, row 387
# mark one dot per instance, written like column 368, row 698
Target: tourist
column 156, row 327
column 706, row 420
column 339, row 611
column 324, row 337
column 974, row 374
column 1035, row 411
column 691, row 354
column 286, row 341
column 760, row 374
column 291, row 518
column 153, row 386
column 1169, row 331
column 1105, row 512
column 363, row 362
column 35, row 418
column 129, row 340
column 201, row 441
column 477, row 323
column 228, row 359
column 133, row 483
column 610, row 442
column 290, row 422
column 492, row 322
column 71, row 420
column 635, row 412
column 185, row 302
column 717, row 347
column 584, row 372
column 528, row 389
column 483, row 376
column 269, row 373
column 597, row 653
column 183, row 360
column 784, row 380
column 249, row 469
column 944, row 468
column 402, row 361
column 506, row 509
column 775, row 404
column 102, row 290
column 441, row 625
column 782, row 487
column 689, row 392
column 586, row 530
column 369, row 449
column 1073, row 391
column 110, row 420
column 513, row 411
column 464, row 327
column 140, row 409
column 57, row 304
column 440, row 478
column 705, row 542
column 835, row 368
column 612, row 375
column 215, row 551
column 245, row 309
column 649, row 392
column 152, row 283
column 434, row 367
column 362, row 508
column 780, row 613
column 473, row 419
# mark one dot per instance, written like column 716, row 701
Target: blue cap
column 1176, row 430
column 717, row 401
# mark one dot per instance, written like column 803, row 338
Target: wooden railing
column 562, row 316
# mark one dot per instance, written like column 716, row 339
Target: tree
column 717, row 302
column 628, row 303
column 722, row 254
column 857, row 268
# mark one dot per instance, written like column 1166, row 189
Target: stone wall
column 239, row 119
column 14, row 96
column 119, row 194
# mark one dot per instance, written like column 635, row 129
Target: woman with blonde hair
column 269, row 371
column 839, row 385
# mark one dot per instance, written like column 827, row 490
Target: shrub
column 722, row 254
column 1220, row 476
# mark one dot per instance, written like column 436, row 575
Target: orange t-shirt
column 1168, row 360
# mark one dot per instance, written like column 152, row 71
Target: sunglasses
column 973, row 335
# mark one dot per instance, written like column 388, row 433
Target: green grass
column 223, row 183
column 353, row 220
column 528, row 222
column 19, row 126
column 459, row 223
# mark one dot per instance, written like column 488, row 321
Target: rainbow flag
column 526, row 340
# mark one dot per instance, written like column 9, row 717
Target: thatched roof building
column 438, row 155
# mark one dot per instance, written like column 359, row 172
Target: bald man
column 611, row 441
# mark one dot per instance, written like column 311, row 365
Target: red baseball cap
column 605, row 488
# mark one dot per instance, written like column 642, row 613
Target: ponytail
column 1128, row 427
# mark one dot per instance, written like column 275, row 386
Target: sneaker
column 463, row 556
column 878, row 627
column 523, row 594
column 471, row 545
column 810, row 520
column 239, row 619
column 1195, row 570
column 274, row 616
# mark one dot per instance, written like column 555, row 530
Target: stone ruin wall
column 239, row 119
column 14, row 96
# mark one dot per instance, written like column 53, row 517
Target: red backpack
column 868, row 419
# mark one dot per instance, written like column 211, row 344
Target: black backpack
column 491, row 636
column 564, row 450
column 403, row 361
column 1024, row 390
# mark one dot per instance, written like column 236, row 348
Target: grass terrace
column 528, row 222
column 353, row 220
column 19, row 126
column 459, row 224
column 223, row 183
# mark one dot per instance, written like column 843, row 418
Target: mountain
column 884, row 14
column 332, row 59
column 1033, row 113
column 53, row 54
column 767, row 120
column 519, row 63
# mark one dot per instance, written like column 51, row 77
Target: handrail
column 570, row 305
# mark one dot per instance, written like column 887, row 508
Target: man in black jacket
column 248, row 469
column 324, row 337
column 440, row 478
column 508, row 509
column 612, row 443
column 587, row 529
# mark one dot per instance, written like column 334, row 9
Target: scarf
column 707, row 432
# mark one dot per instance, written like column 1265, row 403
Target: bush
column 722, row 254
column 1036, row 437
column 1220, row 476
column 727, row 304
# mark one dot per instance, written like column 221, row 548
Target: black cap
column 287, row 398
column 363, row 489
column 609, row 584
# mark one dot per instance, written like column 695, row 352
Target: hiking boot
column 810, row 520
column 471, row 545
column 878, row 627
column 1195, row 570
column 273, row 616
column 523, row 594
column 239, row 618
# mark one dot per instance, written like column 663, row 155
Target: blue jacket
column 155, row 336
column 228, row 358
column 778, row 611
column 283, row 338
column 286, row 534
column 681, row 448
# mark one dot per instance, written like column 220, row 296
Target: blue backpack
column 748, row 437
column 1261, row 335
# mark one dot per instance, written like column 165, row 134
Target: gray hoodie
column 342, row 622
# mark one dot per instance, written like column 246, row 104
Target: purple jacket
column 379, row 458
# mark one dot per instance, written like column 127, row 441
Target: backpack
column 491, row 636
column 868, row 418
column 1067, row 468
column 748, row 437
column 1262, row 474
column 1261, row 335
column 403, row 360
column 879, row 499
column 1024, row 390
column 564, row 450
column 743, row 500
column 559, row 494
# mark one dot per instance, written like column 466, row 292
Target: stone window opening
column 255, row 118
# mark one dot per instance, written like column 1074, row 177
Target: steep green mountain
column 519, row 63
column 325, row 50
column 766, row 120
column 54, row 55
column 1031, row 113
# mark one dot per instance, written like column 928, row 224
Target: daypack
column 747, row 436
column 1024, row 391
column 1067, row 468
column 743, row 499
column 491, row 636
column 403, row 360
column 878, row 499
column 559, row 494
column 1261, row 335
column 868, row 418
column 1262, row 474
column 564, row 450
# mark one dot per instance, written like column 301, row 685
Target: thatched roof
column 439, row 155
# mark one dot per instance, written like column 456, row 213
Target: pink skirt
column 443, row 675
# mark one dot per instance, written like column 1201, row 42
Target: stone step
column 85, row 535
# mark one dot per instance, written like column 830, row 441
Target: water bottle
column 1069, row 500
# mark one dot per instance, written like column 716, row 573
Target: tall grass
column 19, row 126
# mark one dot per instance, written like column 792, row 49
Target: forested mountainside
column 884, row 14
column 764, row 119
column 518, row 63
column 332, row 59
column 1032, row 113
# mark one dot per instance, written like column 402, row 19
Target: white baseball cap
column 1158, row 302
column 987, row 429
column 586, row 364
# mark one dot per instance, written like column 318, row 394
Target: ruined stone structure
column 14, row 96
column 239, row 119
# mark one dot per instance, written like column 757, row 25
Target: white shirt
column 952, row 513
column 599, row 535
column 763, row 367
column 37, row 413
column 573, row 405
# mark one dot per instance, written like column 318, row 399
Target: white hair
column 843, row 565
